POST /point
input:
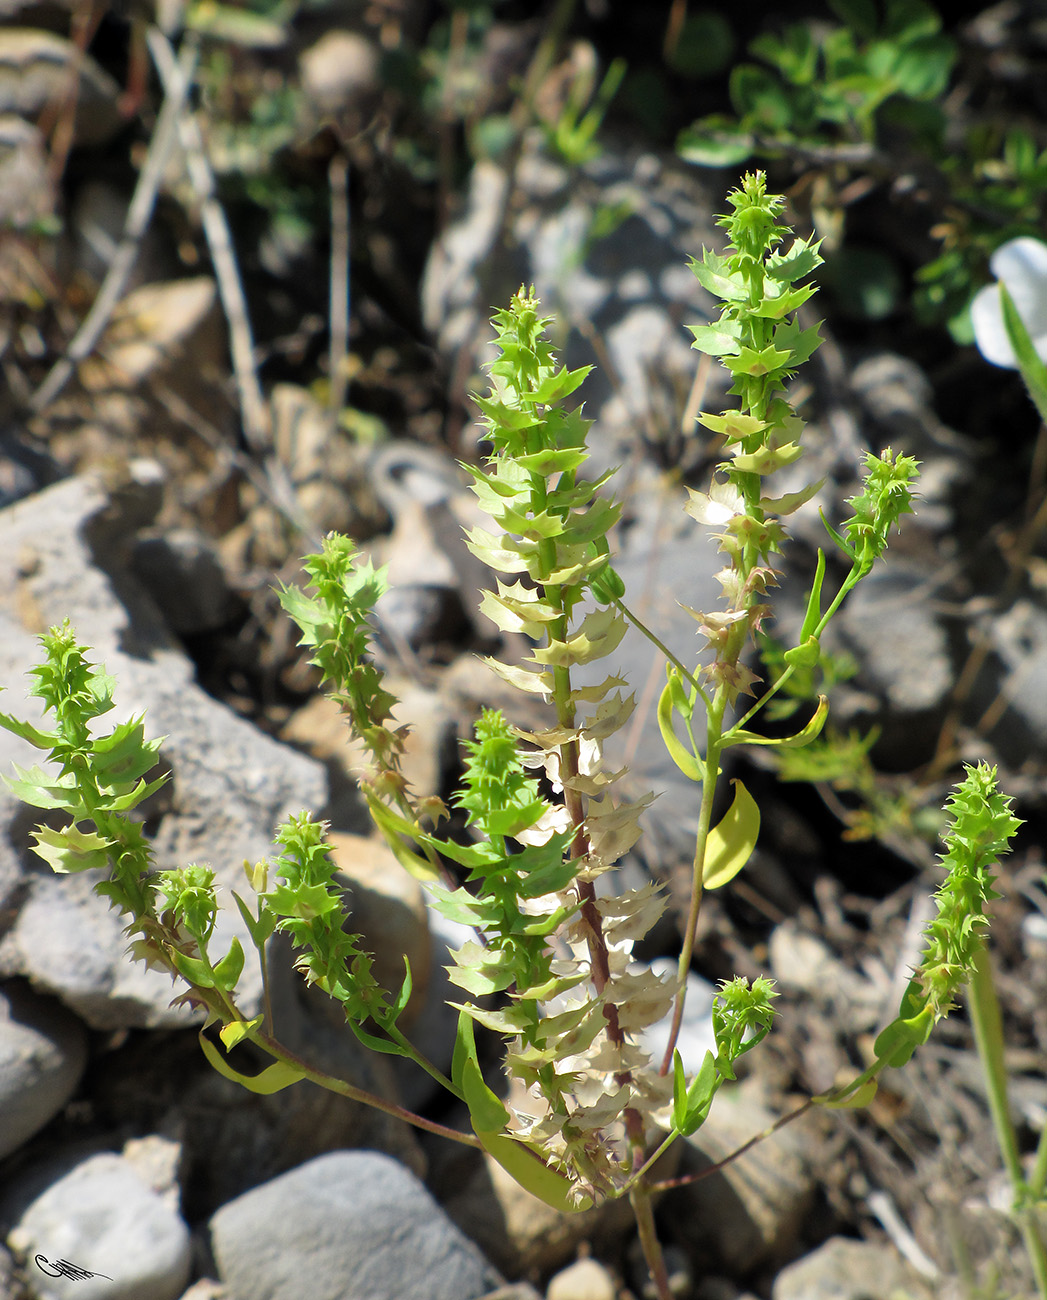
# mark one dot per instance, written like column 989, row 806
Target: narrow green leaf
column 486, row 1111
column 679, row 1093
column 790, row 501
column 700, row 1095
column 813, row 616
column 685, row 760
column 274, row 1078
column 375, row 1043
column 714, row 142
column 850, row 1101
column 404, row 996
column 796, row 741
column 730, row 843
column 1033, row 370
column 261, row 927
column 533, row 1175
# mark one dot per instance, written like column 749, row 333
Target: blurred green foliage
column 865, row 99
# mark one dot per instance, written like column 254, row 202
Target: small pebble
column 585, row 1279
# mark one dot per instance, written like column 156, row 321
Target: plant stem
column 714, row 739
column 640, row 1199
column 333, row 1084
column 984, row 1008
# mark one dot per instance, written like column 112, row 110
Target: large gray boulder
column 352, row 1225
column 60, row 557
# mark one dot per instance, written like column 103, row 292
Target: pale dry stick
column 338, row 351
column 137, row 221
column 253, row 409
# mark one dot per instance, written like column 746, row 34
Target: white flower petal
column 1022, row 266
column 990, row 333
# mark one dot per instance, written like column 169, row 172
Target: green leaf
column 801, row 344
column 714, row 274
column 715, row 141
column 533, row 1175
column 760, row 98
column 486, row 1112
column 387, row 1046
column 685, row 760
column 237, row 1030
column 813, row 615
column 804, row 655
column 861, row 1096
column 228, row 971
column 404, row 996
column 274, row 1078
column 71, row 850
column 261, row 927
column 790, row 501
column 720, row 340
column 896, row 1043
column 731, row 843
column 757, row 362
column 193, row 970
column 40, row 739
column 801, row 259
column 733, row 425
column 482, row 970
column 34, row 787
column 796, row 741
column 1033, row 370
column 125, row 755
column 691, row 1105
column 394, row 828
column 768, row 459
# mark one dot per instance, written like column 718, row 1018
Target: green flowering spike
column 189, row 892
column 334, row 620
column 982, row 825
column 742, row 1017
column 887, row 494
column 308, row 907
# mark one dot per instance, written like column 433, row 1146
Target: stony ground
column 158, row 495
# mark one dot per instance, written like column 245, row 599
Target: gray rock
column 338, row 70
column 103, row 1218
column 751, row 1211
column 38, row 67
column 351, row 1225
column 1019, row 636
column 622, row 281
column 889, row 624
column 844, row 1269
column 233, row 1140
column 230, row 784
column 27, row 191
column 585, row 1279
column 181, row 570
column 696, row 1029
column 43, row 1050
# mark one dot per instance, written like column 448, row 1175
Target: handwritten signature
column 63, row 1268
